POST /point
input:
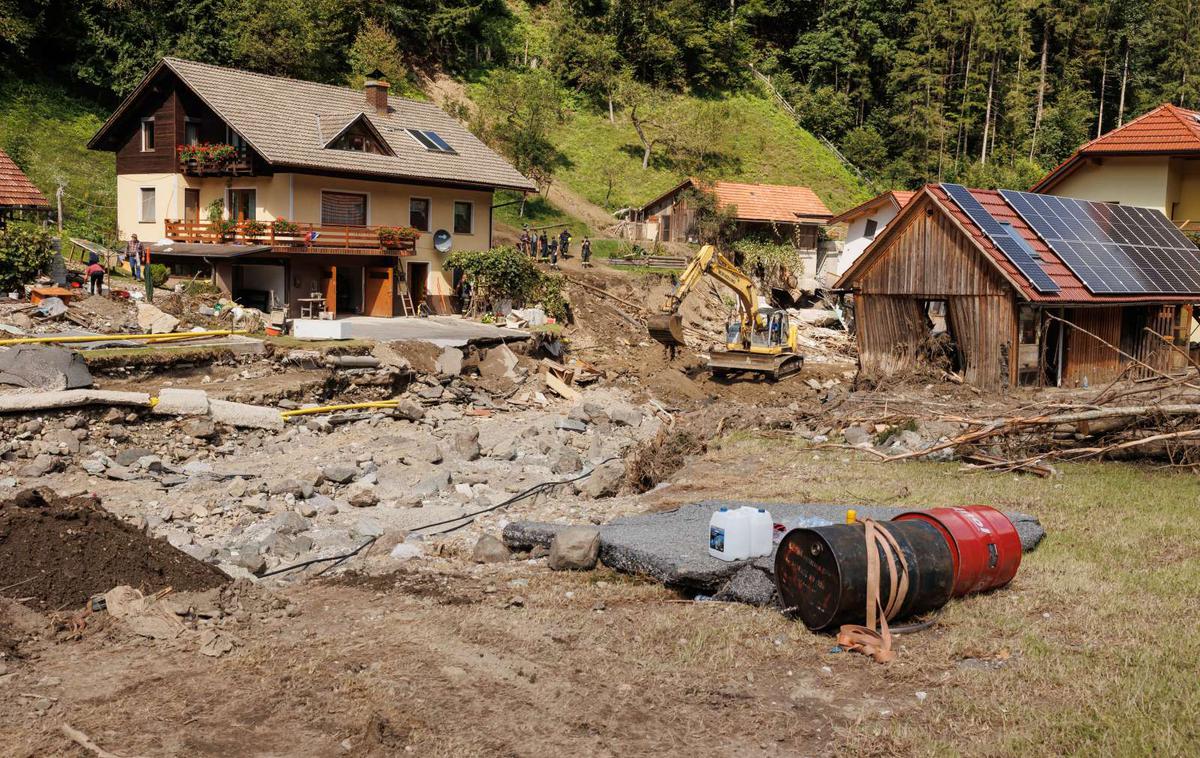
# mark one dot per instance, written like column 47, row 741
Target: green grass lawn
column 45, row 129
column 759, row 143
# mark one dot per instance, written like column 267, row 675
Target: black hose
column 470, row 516
column 514, row 499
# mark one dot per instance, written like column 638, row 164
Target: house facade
column 863, row 222
column 1150, row 162
column 284, row 191
column 1033, row 290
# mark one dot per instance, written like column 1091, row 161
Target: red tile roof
column 771, row 202
column 899, row 198
column 15, row 187
column 1166, row 130
column 1072, row 290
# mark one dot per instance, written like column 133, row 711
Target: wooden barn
column 1016, row 288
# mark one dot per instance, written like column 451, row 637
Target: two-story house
column 1150, row 162
column 283, row 190
column 866, row 220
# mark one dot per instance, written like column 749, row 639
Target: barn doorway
column 941, row 347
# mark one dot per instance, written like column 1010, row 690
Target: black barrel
column 821, row 573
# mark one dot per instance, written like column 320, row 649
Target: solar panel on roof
column 430, row 140
column 437, row 140
column 1113, row 249
column 1018, row 253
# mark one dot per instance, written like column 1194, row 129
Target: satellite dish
column 441, row 241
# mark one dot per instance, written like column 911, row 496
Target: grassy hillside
column 757, row 143
column 45, row 130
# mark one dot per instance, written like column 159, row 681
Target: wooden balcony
column 298, row 237
column 239, row 163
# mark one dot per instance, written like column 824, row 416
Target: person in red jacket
column 95, row 275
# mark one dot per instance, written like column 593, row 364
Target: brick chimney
column 376, row 89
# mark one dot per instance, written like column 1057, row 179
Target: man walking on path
column 586, row 252
column 545, row 245
column 95, row 275
column 554, row 253
column 135, row 251
column 523, row 243
column 564, row 242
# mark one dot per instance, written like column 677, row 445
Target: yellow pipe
column 118, row 337
column 349, row 407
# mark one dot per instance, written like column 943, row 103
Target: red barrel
column 984, row 545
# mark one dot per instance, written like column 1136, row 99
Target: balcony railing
column 215, row 160
column 292, row 237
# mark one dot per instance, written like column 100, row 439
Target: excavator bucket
column 666, row 328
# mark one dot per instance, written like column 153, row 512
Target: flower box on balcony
column 398, row 237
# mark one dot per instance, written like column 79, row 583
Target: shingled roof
column 1071, row 288
column 1166, row 130
column 16, row 191
column 289, row 121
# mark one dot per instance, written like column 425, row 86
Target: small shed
column 781, row 211
column 1025, row 289
column 18, row 197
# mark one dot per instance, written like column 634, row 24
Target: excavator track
column 776, row 366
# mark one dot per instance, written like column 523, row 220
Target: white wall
column 856, row 239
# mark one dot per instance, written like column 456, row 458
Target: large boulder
column 606, row 480
column 576, row 548
column 490, row 549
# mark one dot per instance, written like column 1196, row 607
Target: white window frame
column 142, row 134
column 323, row 190
column 454, row 216
column 428, row 212
column 142, row 205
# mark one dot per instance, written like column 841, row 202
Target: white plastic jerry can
column 762, row 531
column 729, row 535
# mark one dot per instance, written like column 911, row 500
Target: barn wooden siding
column 1132, row 336
column 929, row 258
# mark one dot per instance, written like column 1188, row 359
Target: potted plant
column 252, row 229
column 284, row 228
column 224, row 229
column 398, row 237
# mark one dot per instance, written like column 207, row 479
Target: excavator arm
column 668, row 328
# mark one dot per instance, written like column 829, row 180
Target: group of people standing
column 134, row 254
column 548, row 247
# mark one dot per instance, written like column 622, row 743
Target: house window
column 147, row 135
column 146, row 211
column 464, row 217
column 241, row 205
column 358, row 138
column 872, row 227
column 191, row 205
column 418, row 213
column 344, row 208
column 191, row 132
column 235, row 139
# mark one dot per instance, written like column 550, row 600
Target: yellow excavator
column 761, row 340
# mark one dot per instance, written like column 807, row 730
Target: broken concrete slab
column 246, row 416
column 173, row 401
column 672, row 547
column 20, row 402
column 450, row 362
column 44, row 368
column 153, row 320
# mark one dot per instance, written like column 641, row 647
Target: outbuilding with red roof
column 1015, row 288
column 18, row 195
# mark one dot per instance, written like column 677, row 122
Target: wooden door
column 418, row 276
column 329, row 288
column 377, row 292
column 191, row 205
column 241, row 205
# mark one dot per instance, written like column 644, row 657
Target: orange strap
column 864, row 639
